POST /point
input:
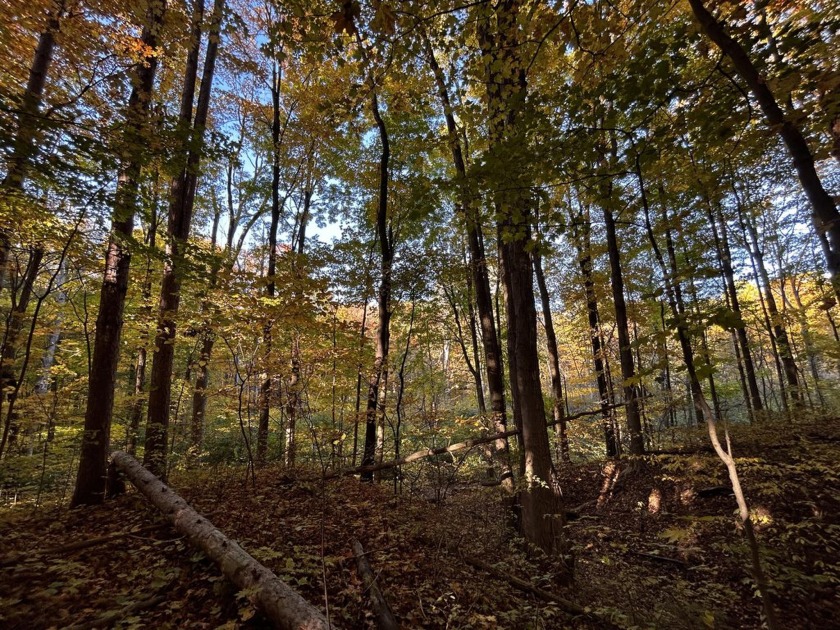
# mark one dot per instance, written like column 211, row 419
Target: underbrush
column 655, row 540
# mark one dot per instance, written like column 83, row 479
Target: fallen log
column 430, row 452
column 523, row 585
column 285, row 608
column 385, row 619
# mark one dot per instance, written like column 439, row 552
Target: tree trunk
column 93, row 459
column 825, row 217
column 480, row 279
column 776, row 319
column 625, row 352
column 383, row 328
column 142, row 350
column 10, row 380
column 271, row 287
column 182, row 201
column 702, row 407
column 28, row 122
column 277, row 601
column 725, row 261
column 293, row 400
column 581, row 229
column 504, row 77
column 385, row 619
column 553, row 357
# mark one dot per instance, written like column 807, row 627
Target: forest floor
column 655, row 540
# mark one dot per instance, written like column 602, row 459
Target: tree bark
column 776, row 320
column 385, row 236
column 142, row 350
column 182, row 201
column 28, row 124
column 506, row 89
column 277, row 601
column 725, row 261
column 480, row 279
column 270, row 289
column 385, row 619
column 581, row 229
column 553, row 357
column 625, row 352
column 93, row 459
column 825, row 217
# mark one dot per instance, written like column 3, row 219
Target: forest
column 419, row 313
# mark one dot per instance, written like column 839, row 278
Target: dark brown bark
column 553, row 357
column 470, row 211
column 182, row 200
column 825, row 217
column 93, row 459
column 385, row 237
column 270, row 289
column 542, row 516
column 385, row 619
column 581, row 229
column 472, row 323
column 625, row 352
column 24, row 143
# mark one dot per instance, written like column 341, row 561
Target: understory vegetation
column 530, row 304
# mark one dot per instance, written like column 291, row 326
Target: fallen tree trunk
column 285, row 608
column 460, row 446
column 385, row 619
column 524, row 585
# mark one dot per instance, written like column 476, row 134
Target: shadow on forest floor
column 655, row 539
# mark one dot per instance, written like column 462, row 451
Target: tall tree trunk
column 469, row 208
column 45, row 380
column 473, row 365
column 145, row 317
column 825, row 217
column 702, row 407
column 28, row 123
column 208, row 340
column 293, row 397
column 808, row 340
column 10, row 380
column 725, row 262
column 553, row 357
column 581, row 229
column 506, row 88
column 270, row 289
column 93, row 459
column 383, row 328
column 182, row 201
column 673, row 293
column 707, row 366
column 776, row 319
column 625, row 352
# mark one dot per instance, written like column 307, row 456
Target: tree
column 825, row 217
column 90, row 480
column 181, row 205
column 506, row 91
